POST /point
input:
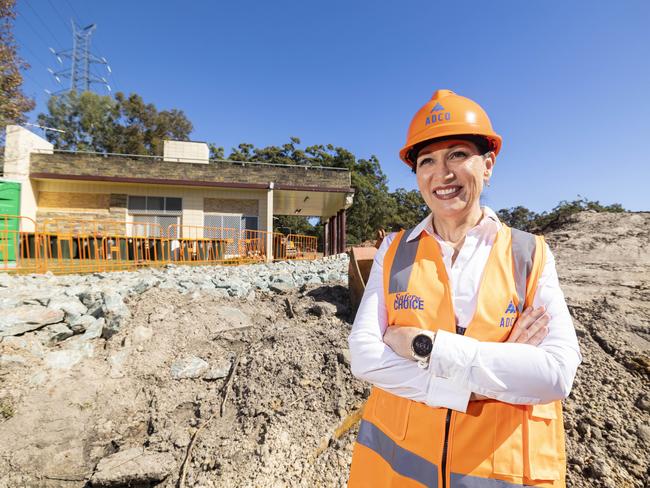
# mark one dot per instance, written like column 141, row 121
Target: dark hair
column 481, row 143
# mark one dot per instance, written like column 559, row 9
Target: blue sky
column 565, row 83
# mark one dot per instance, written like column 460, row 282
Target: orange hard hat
column 446, row 115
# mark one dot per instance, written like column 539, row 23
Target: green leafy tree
column 141, row 128
column 410, row 209
column 518, row 217
column 548, row 221
column 524, row 219
column 126, row 125
column 13, row 103
column 87, row 119
column 216, row 152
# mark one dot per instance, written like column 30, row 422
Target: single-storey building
column 181, row 191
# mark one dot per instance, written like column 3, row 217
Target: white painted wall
column 20, row 143
column 186, row 152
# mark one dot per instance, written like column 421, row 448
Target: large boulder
column 21, row 319
column 133, row 467
column 116, row 313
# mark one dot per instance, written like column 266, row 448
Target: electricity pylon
column 81, row 59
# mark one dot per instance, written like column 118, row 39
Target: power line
column 56, row 41
column 59, row 15
column 34, row 30
column 73, row 10
column 35, row 56
column 25, row 46
column 33, row 80
column 112, row 75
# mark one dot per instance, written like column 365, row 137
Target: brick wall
column 222, row 172
column 81, row 223
column 82, row 213
column 78, row 201
column 226, row 205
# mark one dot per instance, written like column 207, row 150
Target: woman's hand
column 531, row 327
column 399, row 339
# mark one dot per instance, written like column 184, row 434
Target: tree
column 13, row 103
column 125, row 125
column 88, row 119
column 410, row 209
column 142, row 128
column 518, row 217
column 540, row 223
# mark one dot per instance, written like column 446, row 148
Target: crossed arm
column 536, row 365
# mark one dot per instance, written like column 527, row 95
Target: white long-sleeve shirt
column 460, row 365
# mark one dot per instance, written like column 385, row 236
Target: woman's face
column 450, row 176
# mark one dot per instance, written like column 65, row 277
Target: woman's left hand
column 399, row 339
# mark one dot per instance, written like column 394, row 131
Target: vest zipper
column 443, row 463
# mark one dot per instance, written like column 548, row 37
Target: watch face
column 422, row 345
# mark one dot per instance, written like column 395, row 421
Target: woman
column 463, row 330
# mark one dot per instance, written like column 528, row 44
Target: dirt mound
column 603, row 260
column 267, row 419
column 257, row 391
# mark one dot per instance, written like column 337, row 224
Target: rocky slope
column 237, row 377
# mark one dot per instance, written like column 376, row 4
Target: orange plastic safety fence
column 82, row 246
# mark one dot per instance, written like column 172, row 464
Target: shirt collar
column 489, row 218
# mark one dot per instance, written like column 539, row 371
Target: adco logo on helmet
column 437, row 117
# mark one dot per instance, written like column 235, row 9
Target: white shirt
column 459, row 365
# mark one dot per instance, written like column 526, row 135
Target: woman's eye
column 458, row 155
column 425, row 161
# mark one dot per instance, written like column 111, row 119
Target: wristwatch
column 421, row 347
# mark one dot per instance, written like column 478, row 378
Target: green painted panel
column 9, row 227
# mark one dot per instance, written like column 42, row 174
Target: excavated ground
column 275, row 419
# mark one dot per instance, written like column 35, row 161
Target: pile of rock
column 43, row 310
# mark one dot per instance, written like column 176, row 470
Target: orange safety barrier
column 18, row 248
column 81, row 246
column 302, row 247
column 195, row 244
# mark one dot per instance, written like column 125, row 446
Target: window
column 230, row 226
column 230, row 221
column 155, row 216
column 155, row 205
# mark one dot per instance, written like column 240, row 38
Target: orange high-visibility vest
column 403, row 443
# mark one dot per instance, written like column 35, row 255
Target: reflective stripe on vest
column 400, row 460
column 400, row 271
column 466, row 481
column 523, row 254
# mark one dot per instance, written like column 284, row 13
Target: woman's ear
column 490, row 161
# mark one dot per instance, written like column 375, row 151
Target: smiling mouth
column 448, row 192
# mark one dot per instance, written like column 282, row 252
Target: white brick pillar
column 269, row 223
column 20, row 143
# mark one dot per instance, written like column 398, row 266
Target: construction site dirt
column 200, row 389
